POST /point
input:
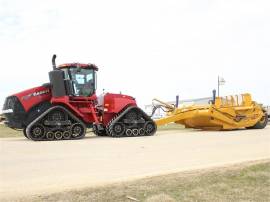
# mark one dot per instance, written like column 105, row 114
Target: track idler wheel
column 150, row 128
column 118, row 129
column 37, row 132
column 77, row 130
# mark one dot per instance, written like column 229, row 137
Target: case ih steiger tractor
column 65, row 107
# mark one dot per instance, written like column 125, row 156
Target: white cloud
column 143, row 48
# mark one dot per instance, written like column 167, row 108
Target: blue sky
column 143, row 48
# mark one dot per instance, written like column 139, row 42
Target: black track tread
column 24, row 133
column 121, row 114
column 28, row 128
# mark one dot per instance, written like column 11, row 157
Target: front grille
column 17, row 117
column 9, row 103
column 13, row 103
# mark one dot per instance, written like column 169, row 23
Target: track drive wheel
column 117, row 129
column 36, row 133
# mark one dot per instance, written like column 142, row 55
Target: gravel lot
column 32, row 168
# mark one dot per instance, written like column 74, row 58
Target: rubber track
column 48, row 111
column 122, row 114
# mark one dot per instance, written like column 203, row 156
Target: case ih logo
column 26, row 97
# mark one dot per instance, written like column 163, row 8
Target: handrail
column 164, row 104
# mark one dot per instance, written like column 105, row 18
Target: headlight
column 6, row 111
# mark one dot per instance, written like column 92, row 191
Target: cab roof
column 80, row 65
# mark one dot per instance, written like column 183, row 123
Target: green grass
column 8, row 132
column 171, row 126
column 246, row 182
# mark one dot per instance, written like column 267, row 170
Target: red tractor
column 65, row 107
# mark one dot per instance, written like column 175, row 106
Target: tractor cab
column 73, row 79
column 82, row 78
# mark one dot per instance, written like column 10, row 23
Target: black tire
column 261, row 124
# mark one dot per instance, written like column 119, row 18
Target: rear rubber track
column 131, row 122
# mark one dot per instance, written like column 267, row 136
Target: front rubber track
column 56, row 123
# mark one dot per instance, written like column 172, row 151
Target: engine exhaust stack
column 53, row 62
column 214, row 96
column 177, row 101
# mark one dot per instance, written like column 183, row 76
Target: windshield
column 83, row 81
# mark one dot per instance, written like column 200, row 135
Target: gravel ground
column 32, row 168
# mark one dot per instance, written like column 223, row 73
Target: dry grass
column 171, row 126
column 8, row 132
column 245, row 182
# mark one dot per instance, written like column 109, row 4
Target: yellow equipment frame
column 225, row 113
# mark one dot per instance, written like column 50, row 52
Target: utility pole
column 218, row 87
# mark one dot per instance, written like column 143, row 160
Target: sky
column 146, row 49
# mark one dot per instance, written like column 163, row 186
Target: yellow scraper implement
column 222, row 113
